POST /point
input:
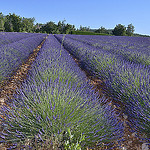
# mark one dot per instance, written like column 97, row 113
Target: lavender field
column 14, row 49
column 57, row 108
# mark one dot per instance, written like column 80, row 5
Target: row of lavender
column 127, row 80
column 57, row 108
column 134, row 49
column 16, row 48
column 10, row 37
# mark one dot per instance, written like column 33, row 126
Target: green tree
column 130, row 30
column 69, row 28
column 8, row 24
column 27, row 24
column 119, row 30
column 16, row 22
column 37, row 27
column 2, row 22
column 102, row 30
column 12, row 23
column 84, row 28
column 64, row 28
column 61, row 27
column 49, row 27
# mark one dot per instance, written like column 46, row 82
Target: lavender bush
column 57, row 108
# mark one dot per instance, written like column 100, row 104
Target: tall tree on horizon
column 119, row 30
column 12, row 23
column 102, row 30
column 84, row 28
column 27, row 24
column 2, row 22
column 8, row 24
column 130, row 30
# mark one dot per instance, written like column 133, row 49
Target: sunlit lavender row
column 14, row 53
column 127, row 80
column 57, row 108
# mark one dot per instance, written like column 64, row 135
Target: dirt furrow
column 8, row 87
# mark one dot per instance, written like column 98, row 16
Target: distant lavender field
column 15, row 48
column 10, row 37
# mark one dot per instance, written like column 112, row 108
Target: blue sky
column 93, row 13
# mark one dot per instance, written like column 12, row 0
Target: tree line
column 15, row 23
column 119, row 30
